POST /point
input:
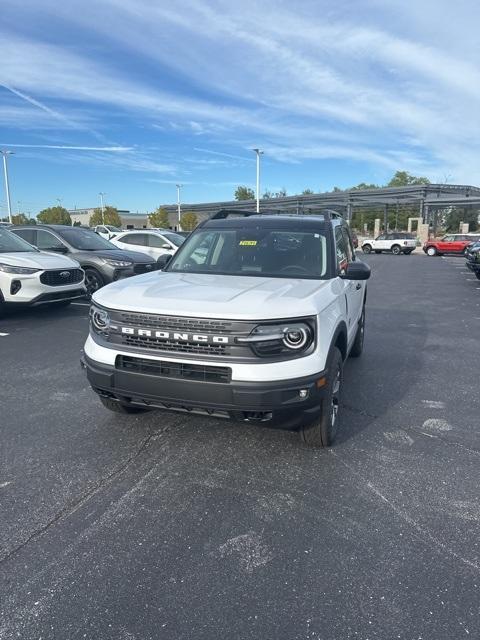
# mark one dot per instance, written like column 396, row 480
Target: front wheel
column 396, row 250
column 93, row 281
column 367, row 248
column 322, row 432
column 118, row 407
column 431, row 251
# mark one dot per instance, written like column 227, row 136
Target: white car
column 32, row 277
column 395, row 242
column 253, row 319
column 153, row 242
column 107, row 231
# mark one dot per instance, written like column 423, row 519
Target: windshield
column 85, row 239
column 254, row 252
column 174, row 238
column 10, row 243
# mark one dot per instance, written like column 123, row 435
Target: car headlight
column 99, row 320
column 291, row 338
column 8, row 268
column 118, row 263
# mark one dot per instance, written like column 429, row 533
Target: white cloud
column 66, row 146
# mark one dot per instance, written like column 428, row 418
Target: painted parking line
column 2, row 335
column 81, row 304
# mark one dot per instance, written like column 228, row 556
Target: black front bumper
column 280, row 402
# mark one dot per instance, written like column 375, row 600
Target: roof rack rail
column 328, row 214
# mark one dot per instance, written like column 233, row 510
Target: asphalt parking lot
column 170, row 526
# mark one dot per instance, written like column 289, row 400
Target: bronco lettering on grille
column 178, row 337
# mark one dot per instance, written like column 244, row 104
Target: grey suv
column 99, row 258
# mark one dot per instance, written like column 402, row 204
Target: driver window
column 383, row 237
column 156, row 241
column 348, row 245
column 46, row 240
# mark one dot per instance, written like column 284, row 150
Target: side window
column 449, row 239
column 27, row 234
column 140, row 239
column 382, row 237
column 156, row 241
column 341, row 248
column 46, row 240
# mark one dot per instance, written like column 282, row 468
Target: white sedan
column 32, row 277
column 153, row 242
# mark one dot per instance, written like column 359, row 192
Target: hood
column 40, row 260
column 216, row 296
column 116, row 254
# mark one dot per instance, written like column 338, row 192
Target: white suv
column 253, row 318
column 32, row 277
column 153, row 242
column 394, row 242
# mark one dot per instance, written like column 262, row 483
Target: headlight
column 8, row 268
column 99, row 319
column 288, row 338
column 118, row 263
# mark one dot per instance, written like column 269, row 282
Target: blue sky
column 132, row 97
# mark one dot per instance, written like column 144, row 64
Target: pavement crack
column 73, row 506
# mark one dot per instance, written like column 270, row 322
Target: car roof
column 54, row 227
column 147, row 231
column 293, row 221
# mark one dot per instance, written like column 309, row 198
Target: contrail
column 66, row 146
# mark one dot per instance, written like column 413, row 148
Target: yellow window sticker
column 247, row 243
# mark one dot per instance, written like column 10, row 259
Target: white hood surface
column 216, row 296
column 38, row 260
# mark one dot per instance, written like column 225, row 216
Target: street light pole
column 7, row 187
column 179, row 210
column 101, row 194
column 259, row 153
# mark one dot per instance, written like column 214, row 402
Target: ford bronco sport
column 253, row 319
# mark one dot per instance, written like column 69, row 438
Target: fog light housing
column 303, row 393
column 15, row 287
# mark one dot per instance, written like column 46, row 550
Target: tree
column 307, row 192
column 159, row 218
column 366, row 185
column 461, row 214
column 282, row 193
column 20, row 218
column 189, row 221
column 405, row 179
column 268, row 194
column 109, row 216
column 244, row 193
column 54, row 215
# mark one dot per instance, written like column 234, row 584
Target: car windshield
column 174, row 238
column 85, row 239
column 254, row 252
column 10, row 243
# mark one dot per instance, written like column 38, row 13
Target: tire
column 357, row 347
column 431, row 251
column 93, row 281
column 367, row 248
column 118, row 407
column 396, row 249
column 407, row 253
column 377, row 251
column 322, row 432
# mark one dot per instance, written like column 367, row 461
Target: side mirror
column 57, row 249
column 163, row 261
column 356, row 271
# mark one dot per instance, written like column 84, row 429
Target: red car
column 453, row 243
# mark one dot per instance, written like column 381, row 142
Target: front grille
column 144, row 342
column 61, row 295
column 144, row 267
column 61, row 277
column 176, row 323
column 179, row 370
